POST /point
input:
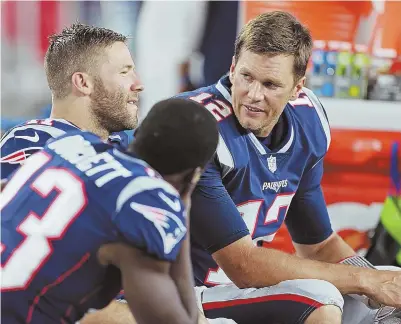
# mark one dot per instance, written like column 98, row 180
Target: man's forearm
column 182, row 274
column 333, row 250
column 267, row 267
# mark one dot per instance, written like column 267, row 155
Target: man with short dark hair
column 94, row 87
column 274, row 134
column 81, row 219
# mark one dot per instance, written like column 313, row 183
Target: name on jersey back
column 80, row 152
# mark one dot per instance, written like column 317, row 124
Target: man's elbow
column 237, row 261
column 242, row 281
column 240, row 275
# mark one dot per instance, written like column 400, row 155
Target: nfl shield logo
column 271, row 163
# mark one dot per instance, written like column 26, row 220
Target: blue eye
column 270, row 85
column 247, row 77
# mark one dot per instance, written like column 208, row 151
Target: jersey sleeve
column 215, row 220
column 21, row 142
column 150, row 216
column 307, row 219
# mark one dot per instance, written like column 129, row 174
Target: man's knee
column 328, row 314
column 323, row 292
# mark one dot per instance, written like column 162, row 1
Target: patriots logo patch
column 170, row 227
column 19, row 156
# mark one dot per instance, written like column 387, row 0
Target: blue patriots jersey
column 25, row 139
column 252, row 188
column 59, row 208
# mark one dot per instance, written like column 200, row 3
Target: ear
column 189, row 187
column 196, row 175
column 232, row 68
column 82, row 83
column 298, row 88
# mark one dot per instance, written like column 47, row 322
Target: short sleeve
column 215, row 219
column 308, row 219
column 150, row 216
column 18, row 144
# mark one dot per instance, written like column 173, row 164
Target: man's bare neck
column 83, row 120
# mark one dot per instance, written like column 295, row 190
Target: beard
column 110, row 109
column 260, row 129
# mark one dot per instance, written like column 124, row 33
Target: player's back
column 57, row 211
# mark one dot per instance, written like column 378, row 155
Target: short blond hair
column 73, row 50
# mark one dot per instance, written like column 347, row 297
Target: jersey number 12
column 250, row 212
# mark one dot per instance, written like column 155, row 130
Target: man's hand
column 115, row 313
column 142, row 276
column 186, row 196
column 119, row 313
column 384, row 287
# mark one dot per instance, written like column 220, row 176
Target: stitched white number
column 35, row 249
column 249, row 212
column 302, row 100
column 281, row 201
column 218, row 108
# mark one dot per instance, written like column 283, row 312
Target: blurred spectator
column 183, row 44
column 7, row 123
column 120, row 16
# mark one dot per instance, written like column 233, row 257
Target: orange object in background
column 360, row 157
column 327, row 20
column 356, row 176
column 391, row 24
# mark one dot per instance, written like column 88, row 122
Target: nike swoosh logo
column 29, row 138
column 174, row 204
column 115, row 137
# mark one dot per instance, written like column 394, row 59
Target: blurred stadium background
column 355, row 69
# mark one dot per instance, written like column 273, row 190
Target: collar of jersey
column 224, row 86
column 65, row 122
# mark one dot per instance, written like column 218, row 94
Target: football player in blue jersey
column 274, row 134
column 81, row 219
column 94, row 87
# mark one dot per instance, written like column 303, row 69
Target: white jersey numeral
column 218, row 108
column 250, row 212
column 39, row 230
